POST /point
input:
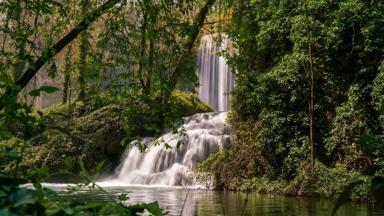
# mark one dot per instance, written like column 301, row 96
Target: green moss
column 211, row 163
column 93, row 131
column 92, row 138
column 149, row 117
column 187, row 103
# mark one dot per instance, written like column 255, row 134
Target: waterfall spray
column 206, row 133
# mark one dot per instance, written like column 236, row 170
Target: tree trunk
column 82, row 62
column 174, row 76
column 50, row 52
column 143, row 45
column 312, row 86
column 67, row 73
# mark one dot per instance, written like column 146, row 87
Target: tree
column 83, row 54
column 273, row 101
column 51, row 51
column 67, row 68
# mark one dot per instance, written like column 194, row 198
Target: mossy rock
column 187, row 103
column 92, row 138
column 92, row 133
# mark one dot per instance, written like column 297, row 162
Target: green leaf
column 23, row 197
column 179, row 143
column 52, row 71
column 154, row 209
column 47, row 89
column 6, row 212
column 167, row 146
column 123, row 197
column 98, row 168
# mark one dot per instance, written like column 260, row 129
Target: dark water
column 210, row 203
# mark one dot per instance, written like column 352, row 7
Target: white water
column 207, row 133
column 215, row 76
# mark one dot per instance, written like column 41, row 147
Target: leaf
column 179, row 143
column 5, row 212
column 49, row 193
column 167, row 146
column 23, row 197
column 98, row 168
column 88, row 207
column 154, row 209
column 52, row 71
column 46, row 89
column 123, row 197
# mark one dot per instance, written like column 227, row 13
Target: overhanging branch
column 50, row 52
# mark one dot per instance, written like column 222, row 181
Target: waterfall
column 205, row 133
column 215, row 76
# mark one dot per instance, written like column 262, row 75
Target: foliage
column 373, row 147
column 93, row 131
column 154, row 116
column 18, row 199
column 131, row 59
column 211, row 162
column 318, row 182
column 270, row 100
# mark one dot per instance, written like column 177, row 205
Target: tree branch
column 56, row 48
column 197, row 25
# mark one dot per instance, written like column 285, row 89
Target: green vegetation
column 271, row 110
column 307, row 109
column 94, row 132
column 121, row 62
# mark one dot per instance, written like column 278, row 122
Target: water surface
column 210, row 203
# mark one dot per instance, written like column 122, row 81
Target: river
column 209, row 203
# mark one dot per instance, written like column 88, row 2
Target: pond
column 210, row 203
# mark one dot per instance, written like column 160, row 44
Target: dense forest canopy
column 307, row 107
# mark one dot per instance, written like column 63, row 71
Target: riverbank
column 324, row 182
column 96, row 131
column 180, row 201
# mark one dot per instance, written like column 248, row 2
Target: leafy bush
column 148, row 117
column 270, row 114
column 94, row 133
column 20, row 124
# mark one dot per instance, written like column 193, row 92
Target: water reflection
column 210, row 203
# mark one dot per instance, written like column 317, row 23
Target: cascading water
column 215, row 76
column 206, row 133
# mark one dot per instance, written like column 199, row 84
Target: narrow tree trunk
column 152, row 32
column 20, row 62
column 148, row 81
column 82, row 67
column 312, row 87
column 67, row 73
